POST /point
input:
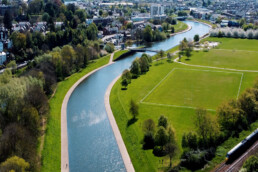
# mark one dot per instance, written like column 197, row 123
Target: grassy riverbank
column 180, row 26
column 119, row 54
column 51, row 154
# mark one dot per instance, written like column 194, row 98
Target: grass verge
column 51, row 154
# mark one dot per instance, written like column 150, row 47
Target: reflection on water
column 91, row 142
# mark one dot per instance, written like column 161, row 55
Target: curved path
column 64, row 136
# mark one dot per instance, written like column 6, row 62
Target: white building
column 2, row 58
column 157, row 10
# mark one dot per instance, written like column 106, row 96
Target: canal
column 91, row 142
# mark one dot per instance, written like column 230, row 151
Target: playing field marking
column 157, row 85
column 240, row 85
column 177, row 106
column 189, row 107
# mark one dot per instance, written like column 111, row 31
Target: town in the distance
column 129, row 85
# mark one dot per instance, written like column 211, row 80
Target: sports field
column 175, row 90
column 191, row 88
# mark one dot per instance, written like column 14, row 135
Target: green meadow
column 175, row 90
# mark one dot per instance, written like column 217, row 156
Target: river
column 91, row 142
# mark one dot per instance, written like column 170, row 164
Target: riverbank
column 188, row 29
column 64, row 135
column 51, row 154
column 120, row 142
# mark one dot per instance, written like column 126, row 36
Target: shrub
column 159, row 151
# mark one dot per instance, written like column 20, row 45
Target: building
column 157, row 10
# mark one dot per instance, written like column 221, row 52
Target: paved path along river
column 91, row 142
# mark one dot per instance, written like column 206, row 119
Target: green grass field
column 119, row 54
column 226, row 55
column 180, row 26
column 169, row 84
column 51, row 154
column 194, row 88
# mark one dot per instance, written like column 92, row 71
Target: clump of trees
column 185, row 48
column 232, row 117
column 162, row 140
column 23, row 105
column 150, row 35
column 139, row 66
column 234, row 33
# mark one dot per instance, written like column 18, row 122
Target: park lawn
column 236, row 44
column 224, row 56
column 192, row 88
column 51, row 154
column 181, row 119
column 119, row 54
column 180, row 26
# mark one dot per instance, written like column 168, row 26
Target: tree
column 92, row 32
column 45, row 17
column 135, row 68
column 163, row 121
column 206, row 127
column 100, row 12
column 134, row 109
column 161, row 54
column 8, row 20
column 124, row 83
column 161, row 137
column 147, row 34
column 14, row 163
column 110, row 48
column 170, row 56
column 171, row 149
column 127, row 75
column 148, row 126
column 188, row 53
column 196, row 38
column 144, row 63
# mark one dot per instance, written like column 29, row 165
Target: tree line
column 232, row 117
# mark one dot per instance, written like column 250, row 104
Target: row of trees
column 232, row 117
column 139, row 66
column 162, row 140
column 234, row 33
column 185, row 48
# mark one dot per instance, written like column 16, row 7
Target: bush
column 159, row 151
column 195, row 160
column 110, row 48
column 251, row 163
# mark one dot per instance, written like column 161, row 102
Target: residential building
column 157, row 10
